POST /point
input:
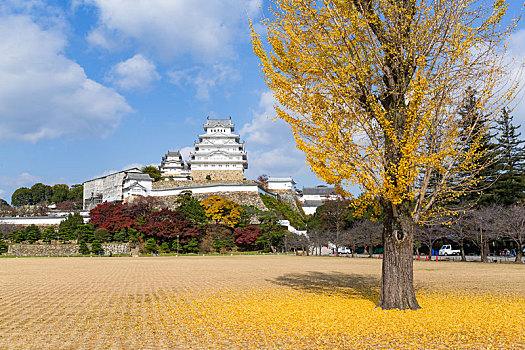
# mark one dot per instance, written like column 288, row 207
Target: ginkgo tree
column 371, row 90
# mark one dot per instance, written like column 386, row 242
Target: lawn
column 270, row 302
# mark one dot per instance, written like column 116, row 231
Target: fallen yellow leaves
column 285, row 318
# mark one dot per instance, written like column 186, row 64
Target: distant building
column 116, row 187
column 173, row 167
column 219, row 154
column 314, row 197
column 281, row 183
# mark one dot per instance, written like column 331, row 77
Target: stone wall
column 64, row 249
column 43, row 249
column 289, row 197
column 116, row 249
column 200, row 175
column 243, row 198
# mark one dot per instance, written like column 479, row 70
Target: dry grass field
column 269, row 302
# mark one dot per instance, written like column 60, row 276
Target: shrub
column 83, row 249
column 49, row 234
column 165, row 247
column 151, row 246
column 96, row 248
column 121, row 236
column 32, row 233
column 85, row 232
column 3, row 246
column 192, row 246
column 101, row 235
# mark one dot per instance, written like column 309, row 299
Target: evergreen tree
column 473, row 121
column 22, row 196
column 32, row 233
column 3, row 246
column 192, row 209
column 510, row 185
column 101, row 235
column 40, row 193
column 67, row 228
column 151, row 245
column 132, row 235
column 48, row 234
column 96, row 248
column 120, row 236
column 192, row 246
column 85, row 232
column 83, row 249
column 165, row 247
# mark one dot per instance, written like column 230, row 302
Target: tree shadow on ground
column 333, row 283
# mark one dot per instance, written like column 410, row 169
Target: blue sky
column 93, row 86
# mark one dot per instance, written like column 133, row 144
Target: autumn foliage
column 211, row 225
column 112, row 216
column 167, row 224
column 222, row 210
column 247, row 236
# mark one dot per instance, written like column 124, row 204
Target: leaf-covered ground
column 253, row 302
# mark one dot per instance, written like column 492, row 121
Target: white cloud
column 202, row 28
column 204, row 79
column 44, row 94
column 136, row 72
column 271, row 147
column 185, row 153
column 24, row 179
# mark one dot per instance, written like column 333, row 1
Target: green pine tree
column 475, row 122
column 192, row 246
column 83, row 249
column 32, row 233
column 49, row 234
column 165, row 247
column 3, row 246
column 510, row 185
column 192, row 209
column 120, row 236
column 96, row 248
column 85, row 232
column 67, row 228
column 151, row 245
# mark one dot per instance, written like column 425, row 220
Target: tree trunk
column 484, row 252
column 462, row 247
column 397, row 285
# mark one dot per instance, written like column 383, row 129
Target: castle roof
column 210, row 123
column 319, row 190
column 138, row 176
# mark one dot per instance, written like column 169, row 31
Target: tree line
column 45, row 194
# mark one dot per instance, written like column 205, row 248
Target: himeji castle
column 219, row 154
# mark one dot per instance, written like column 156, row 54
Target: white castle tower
column 172, row 166
column 219, row 154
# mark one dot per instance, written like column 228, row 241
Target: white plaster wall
column 209, row 189
column 312, row 197
column 37, row 220
column 280, row 185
